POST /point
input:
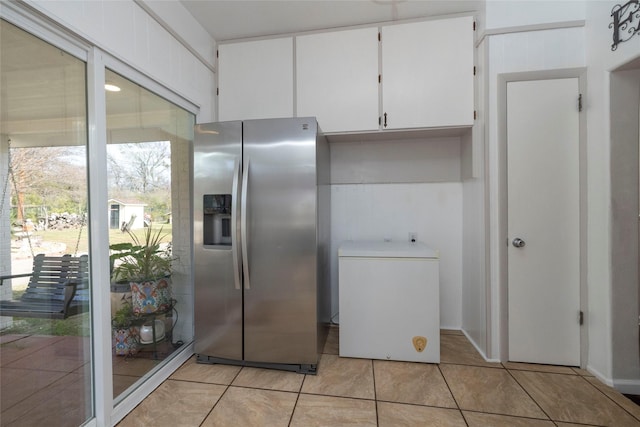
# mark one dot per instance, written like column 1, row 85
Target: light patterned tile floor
column 462, row 391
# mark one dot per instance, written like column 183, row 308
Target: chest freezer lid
column 381, row 249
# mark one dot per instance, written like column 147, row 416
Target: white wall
column 601, row 60
column 182, row 225
column 510, row 13
column 184, row 27
column 394, row 196
column 563, row 48
column 625, row 103
column 125, row 30
column 408, row 160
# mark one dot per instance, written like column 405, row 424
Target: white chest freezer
column 389, row 301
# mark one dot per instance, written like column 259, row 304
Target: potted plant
column 125, row 335
column 146, row 264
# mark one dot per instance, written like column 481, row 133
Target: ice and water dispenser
column 217, row 219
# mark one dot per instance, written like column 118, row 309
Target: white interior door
column 543, row 212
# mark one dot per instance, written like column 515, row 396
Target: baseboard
column 627, row 386
column 624, row 386
column 601, row 377
column 478, row 349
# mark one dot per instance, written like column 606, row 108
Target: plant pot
column 125, row 340
column 151, row 296
column 147, row 332
column 120, row 295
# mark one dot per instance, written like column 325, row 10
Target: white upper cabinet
column 337, row 79
column 255, row 79
column 427, row 74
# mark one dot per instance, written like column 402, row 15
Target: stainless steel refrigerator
column 261, row 224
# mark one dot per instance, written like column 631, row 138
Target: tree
column 54, row 176
column 140, row 167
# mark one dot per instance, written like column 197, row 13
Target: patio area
column 43, row 379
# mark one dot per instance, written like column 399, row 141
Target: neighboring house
column 129, row 212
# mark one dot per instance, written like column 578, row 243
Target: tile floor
column 463, row 390
column 45, row 380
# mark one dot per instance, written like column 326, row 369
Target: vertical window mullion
column 99, row 235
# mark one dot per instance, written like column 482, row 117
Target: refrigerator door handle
column 244, row 234
column 237, row 272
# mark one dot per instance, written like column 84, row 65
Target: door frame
column 503, row 272
column 624, row 131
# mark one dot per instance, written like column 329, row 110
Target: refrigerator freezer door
column 218, row 292
column 280, row 305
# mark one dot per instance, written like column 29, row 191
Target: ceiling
column 43, row 99
column 42, row 89
column 228, row 20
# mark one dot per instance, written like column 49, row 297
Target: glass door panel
column 45, row 352
column 149, row 180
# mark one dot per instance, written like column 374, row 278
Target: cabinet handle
column 385, row 119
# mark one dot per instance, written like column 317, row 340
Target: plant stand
column 138, row 320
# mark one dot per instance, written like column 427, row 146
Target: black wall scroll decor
column 626, row 22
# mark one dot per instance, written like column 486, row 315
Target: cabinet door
column 255, row 79
column 337, row 79
column 427, row 73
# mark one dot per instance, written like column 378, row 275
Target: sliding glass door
column 148, row 176
column 45, row 353
column 51, row 358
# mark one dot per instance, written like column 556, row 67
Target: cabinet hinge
column 580, row 102
column 581, row 317
column 475, row 114
column 217, row 53
column 379, row 78
column 474, row 25
column 217, row 91
column 379, row 120
column 474, row 70
column 379, row 36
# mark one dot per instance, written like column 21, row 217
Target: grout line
column 222, row 395
column 529, row 394
column 419, row 405
column 498, row 366
column 295, row 405
column 500, row 414
column 248, row 387
column 343, row 397
column 201, row 382
column 609, row 397
column 538, row 371
column 375, row 392
column 452, row 395
column 215, row 404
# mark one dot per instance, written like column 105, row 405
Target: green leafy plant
column 122, row 317
column 141, row 260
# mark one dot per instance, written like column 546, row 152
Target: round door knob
column 518, row 242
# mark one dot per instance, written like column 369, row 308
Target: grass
column 72, row 326
column 78, row 325
column 70, row 237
